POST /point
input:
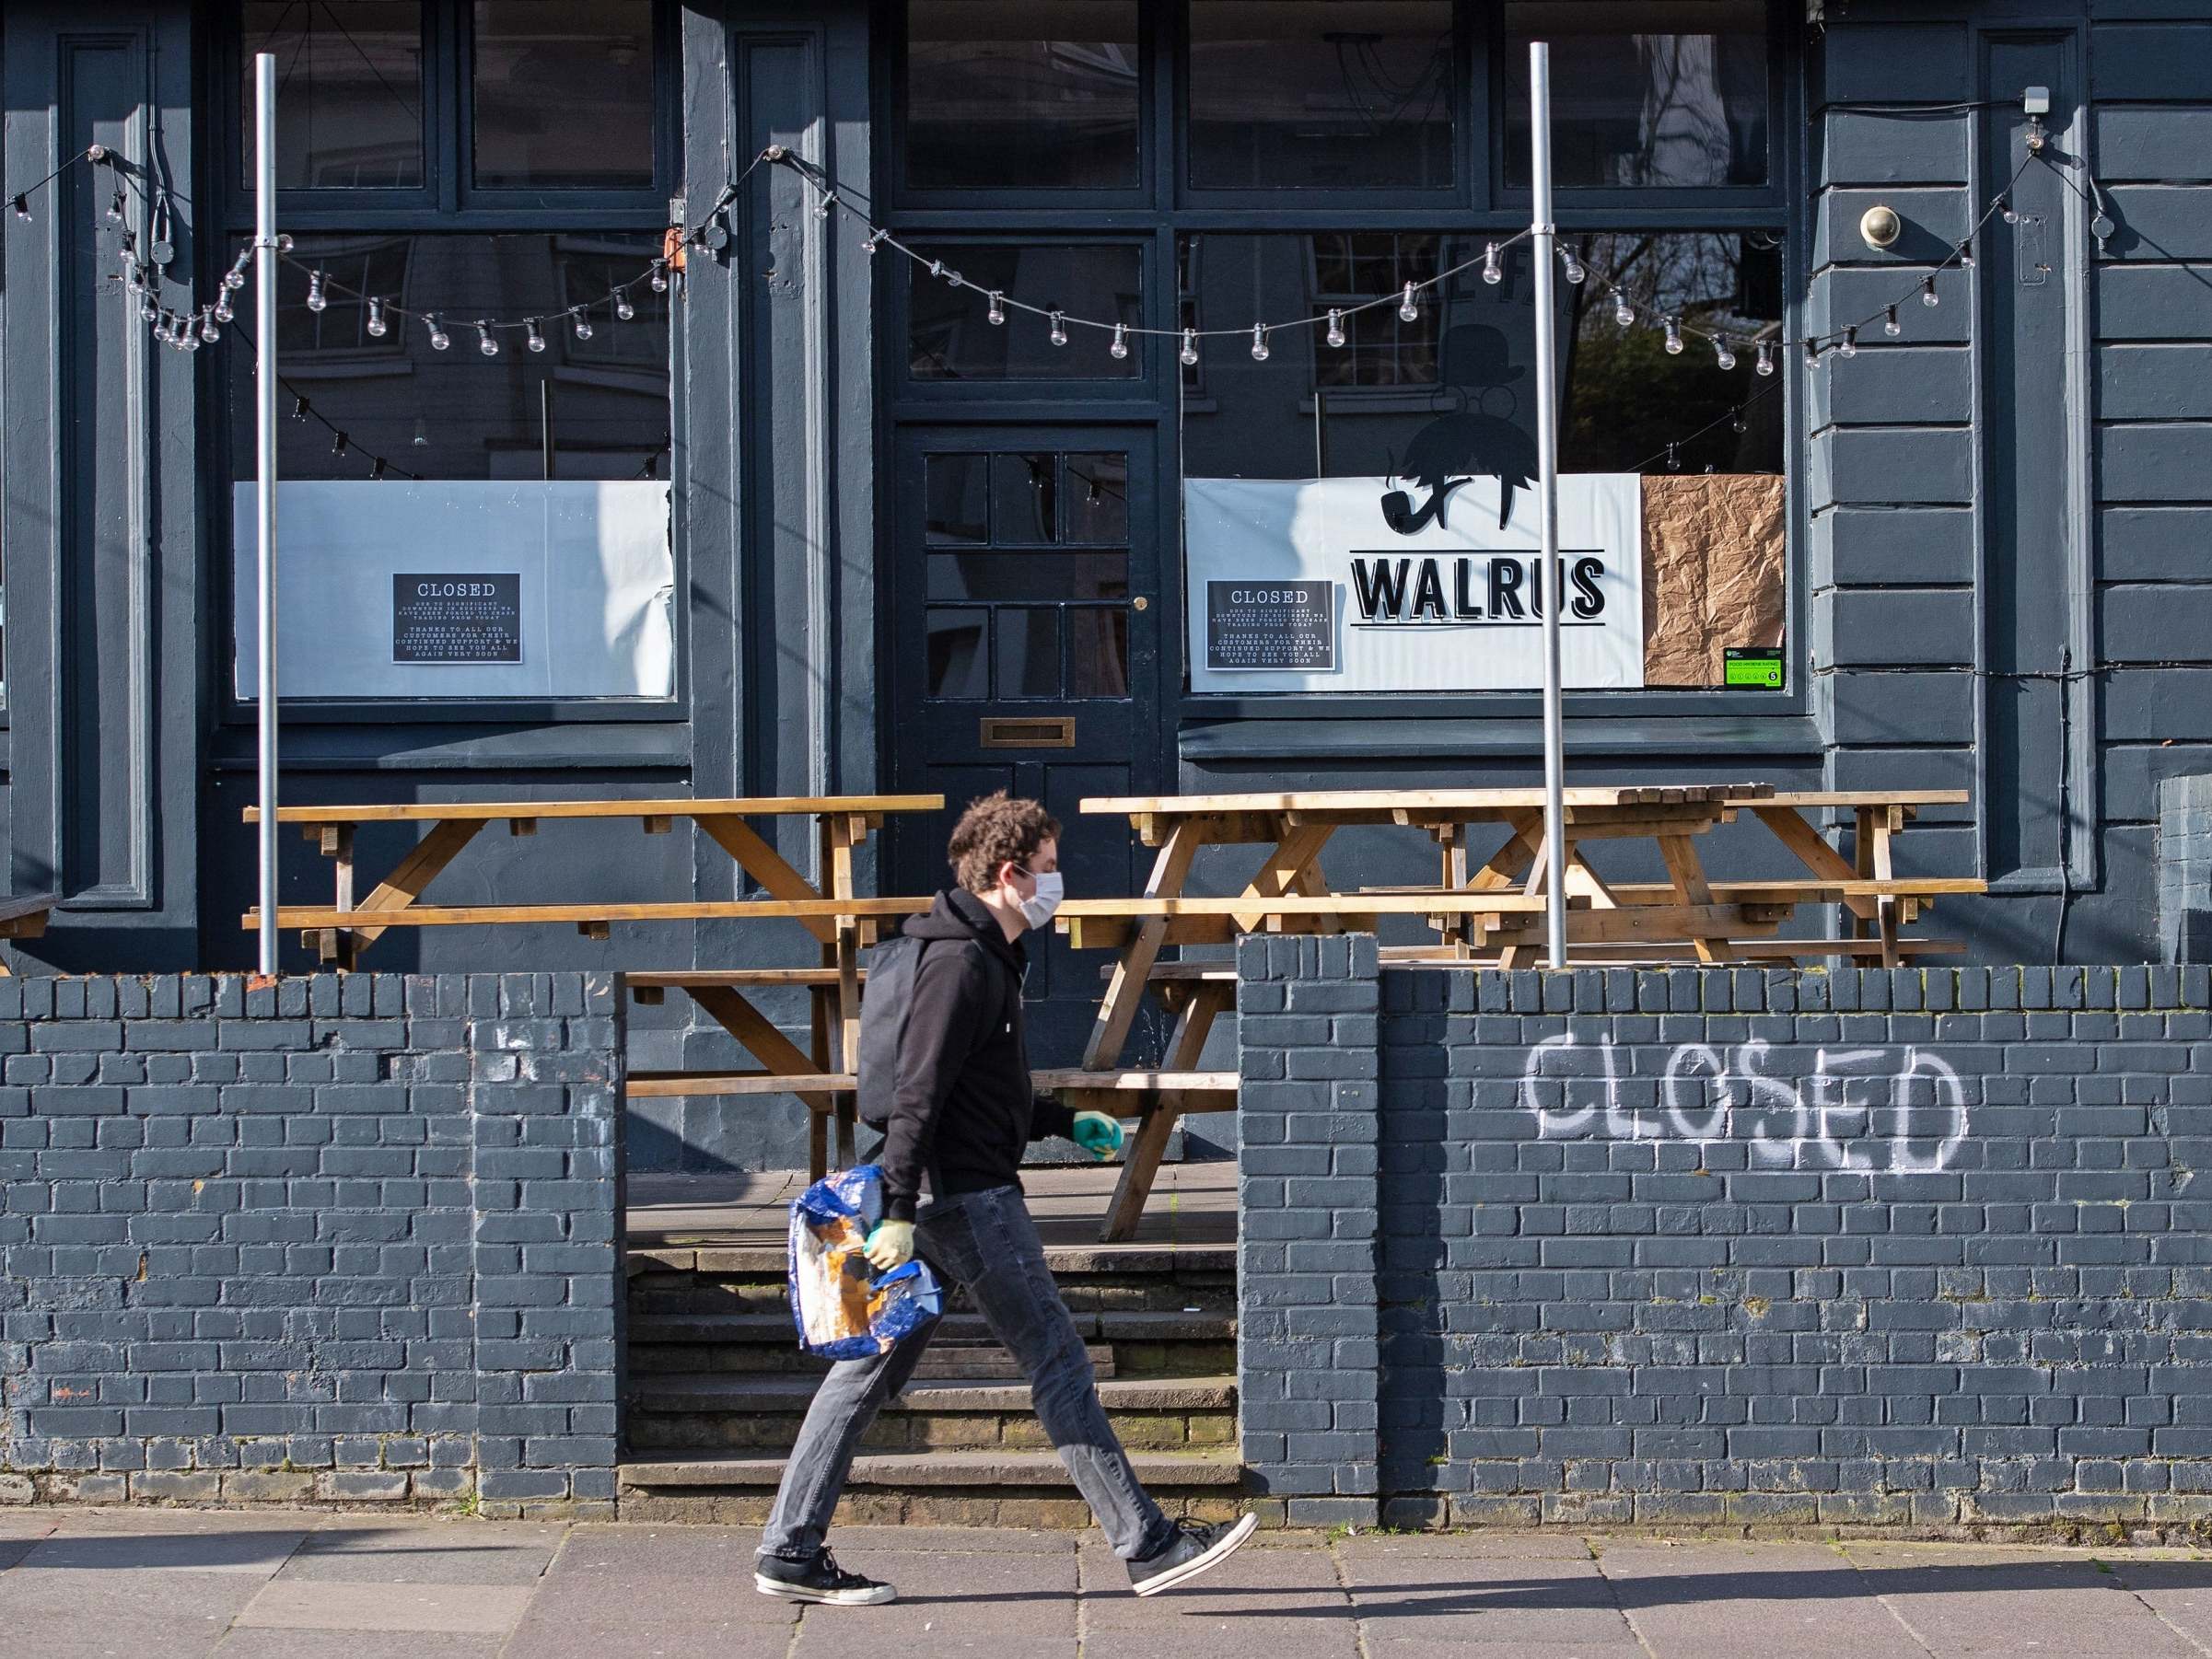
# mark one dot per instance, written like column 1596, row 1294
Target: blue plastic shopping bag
column 843, row 1309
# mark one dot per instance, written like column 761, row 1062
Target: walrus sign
column 1436, row 585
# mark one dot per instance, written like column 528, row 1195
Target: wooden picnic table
column 1492, row 905
column 24, row 918
column 840, row 921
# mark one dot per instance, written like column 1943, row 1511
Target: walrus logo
column 1468, row 443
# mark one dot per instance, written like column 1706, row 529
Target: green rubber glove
column 889, row 1246
column 1098, row 1134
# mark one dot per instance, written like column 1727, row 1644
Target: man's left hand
column 1098, row 1134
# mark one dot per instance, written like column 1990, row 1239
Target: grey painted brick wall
column 1918, row 1248
column 324, row 1239
column 2185, row 869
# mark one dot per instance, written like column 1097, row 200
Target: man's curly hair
column 994, row 829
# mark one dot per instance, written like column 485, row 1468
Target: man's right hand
column 889, row 1246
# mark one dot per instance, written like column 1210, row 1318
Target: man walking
column 962, row 1113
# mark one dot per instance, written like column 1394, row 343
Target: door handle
column 1140, row 603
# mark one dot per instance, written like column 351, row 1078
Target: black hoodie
column 964, row 1109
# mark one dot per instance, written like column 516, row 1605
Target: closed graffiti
column 1880, row 1109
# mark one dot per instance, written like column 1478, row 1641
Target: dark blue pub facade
column 900, row 540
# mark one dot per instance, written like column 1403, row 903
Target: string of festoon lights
column 189, row 327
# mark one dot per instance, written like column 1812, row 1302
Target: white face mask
column 1038, row 910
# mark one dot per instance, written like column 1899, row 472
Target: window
column 456, row 101
column 1670, row 94
column 349, row 91
column 993, row 105
column 593, row 408
column 563, row 94
column 1351, row 94
column 951, row 336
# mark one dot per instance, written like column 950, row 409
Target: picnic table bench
column 1493, row 906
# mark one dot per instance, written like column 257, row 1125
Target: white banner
column 460, row 588
column 1390, row 584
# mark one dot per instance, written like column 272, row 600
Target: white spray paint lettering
column 1854, row 1109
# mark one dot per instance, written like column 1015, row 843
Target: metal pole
column 264, row 440
column 1547, row 497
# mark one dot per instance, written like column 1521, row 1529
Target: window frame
column 447, row 205
column 1324, row 725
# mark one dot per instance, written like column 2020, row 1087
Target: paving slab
column 71, row 1593
column 65, row 1636
column 2179, row 1590
column 1736, row 1600
column 321, row 1605
column 1501, row 1602
column 1009, row 1596
column 616, row 1596
column 14, row 1550
column 283, row 1644
column 1252, row 1583
column 537, row 1638
column 256, row 1552
column 1245, row 1637
column 424, row 1555
column 1465, row 1546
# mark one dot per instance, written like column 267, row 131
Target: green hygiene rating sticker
column 1752, row 666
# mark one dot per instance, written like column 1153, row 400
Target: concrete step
column 761, row 1413
column 1120, row 1344
column 924, row 1488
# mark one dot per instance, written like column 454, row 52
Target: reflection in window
column 990, row 105
column 1353, row 95
column 1643, row 93
column 1456, row 398
column 563, row 94
column 456, row 414
column 349, row 110
column 951, row 336
column 958, row 488
column 959, row 653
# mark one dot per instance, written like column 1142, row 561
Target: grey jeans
column 985, row 1242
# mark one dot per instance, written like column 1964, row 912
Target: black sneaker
column 820, row 1579
column 1196, row 1548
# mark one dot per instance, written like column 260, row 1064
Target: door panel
column 1026, row 658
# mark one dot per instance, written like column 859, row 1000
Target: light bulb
column 624, row 311
column 1927, row 292
column 2011, row 213
column 187, row 337
column 873, row 241
column 997, row 313
column 162, row 328
column 147, row 310
column 1575, row 272
column 22, row 206
column 485, row 343
column 1336, row 328
column 115, row 208
column 827, row 205
column 283, row 243
column 1120, row 348
column 316, row 301
column 583, row 323
column 953, row 279
column 1259, row 342
column 1674, row 460
column 223, row 313
column 1890, row 325
column 440, row 338
column 1736, row 421
column 1491, row 273
column 375, row 471
column 1766, row 365
column 660, row 279
column 1407, row 309
column 234, row 278
column 1188, row 356
column 422, row 432
column 208, row 331
column 1059, row 334
column 1812, row 352
column 1966, row 254
column 1674, row 336
column 376, row 319
column 338, row 444
column 299, row 408
column 1623, row 312
column 1722, row 355
column 1850, row 346
column 532, row 338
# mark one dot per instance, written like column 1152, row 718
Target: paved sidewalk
column 173, row 1585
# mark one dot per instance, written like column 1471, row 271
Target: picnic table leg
column 1862, row 853
column 412, row 874
column 1692, row 888
column 1125, row 987
column 1885, row 823
column 756, row 1033
column 818, row 1123
column 1140, row 1165
column 1792, row 830
column 757, row 859
column 845, row 831
column 1283, row 870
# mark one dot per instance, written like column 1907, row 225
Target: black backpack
column 888, row 999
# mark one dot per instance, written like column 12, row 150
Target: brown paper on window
column 1714, row 572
